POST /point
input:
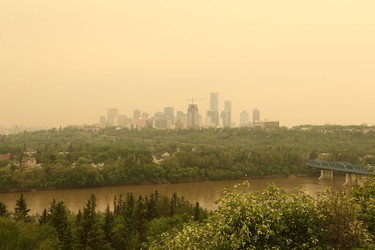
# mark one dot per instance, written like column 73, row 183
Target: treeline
column 132, row 222
column 71, row 158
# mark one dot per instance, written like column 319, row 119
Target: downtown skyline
column 299, row 62
column 213, row 116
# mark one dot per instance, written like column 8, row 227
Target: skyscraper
column 102, row 121
column 244, row 119
column 214, row 101
column 256, row 115
column 193, row 116
column 112, row 117
column 136, row 117
column 169, row 112
column 226, row 115
column 181, row 121
column 214, row 108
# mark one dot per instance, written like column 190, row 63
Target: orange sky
column 300, row 62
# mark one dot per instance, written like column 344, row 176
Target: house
column 28, row 162
column 6, row 156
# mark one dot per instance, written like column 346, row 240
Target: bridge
column 353, row 172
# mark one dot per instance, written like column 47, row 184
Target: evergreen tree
column 129, row 205
column 44, row 218
column 151, row 207
column 21, row 212
column 173, row 204
column 196, row 211
column 109, row 222
column 140, row 219
column 58, row 218
column 3, row 210
column 91, row 234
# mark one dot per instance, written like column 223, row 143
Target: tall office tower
column 169, row 112
column 181, row 120
column 122, row 121
column 214, row 107
column 102, row 121
column 160, row 120
column 193, row 116
column 226, row 115
column 136, row 116
column 214, row 101
column 244, row 119
column 256, row 115
column 112, row 117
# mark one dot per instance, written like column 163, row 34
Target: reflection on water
column 204, row 192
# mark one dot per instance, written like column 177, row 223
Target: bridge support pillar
column 326, row 174
column 352, row 179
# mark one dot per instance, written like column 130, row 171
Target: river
column 206, row 193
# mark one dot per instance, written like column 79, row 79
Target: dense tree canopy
column 71, row 158
column 131, row 222
column 273, row 219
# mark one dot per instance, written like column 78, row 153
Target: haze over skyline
column 299, row 62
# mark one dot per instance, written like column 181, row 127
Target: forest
column 64, row 158
column 131, row 222
column 245, row 219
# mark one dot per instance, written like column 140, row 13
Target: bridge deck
column 341, row 166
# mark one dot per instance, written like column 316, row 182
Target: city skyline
column 193, row 117
column 299, row 62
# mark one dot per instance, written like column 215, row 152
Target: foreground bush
column 274, row 219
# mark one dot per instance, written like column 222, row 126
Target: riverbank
column 309, row 173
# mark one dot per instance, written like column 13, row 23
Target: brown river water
column 206, row 193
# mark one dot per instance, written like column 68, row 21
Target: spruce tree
column 59, row 220
column 44, row 218
column 21, row 212
column 196, row 211
column 3, row 210
column 91, row 234
column 109, row 222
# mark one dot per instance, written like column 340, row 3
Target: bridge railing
column 341, row 166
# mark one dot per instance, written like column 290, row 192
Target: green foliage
column 21, row 212
column 342, row 228
column 3, row 210
column 364, row 195
column 90, row 233
column 57, row 217
column 272, row 219
column 72, row 158
column 20, row 235
column 269, row 219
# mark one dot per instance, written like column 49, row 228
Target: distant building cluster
column 191, row 119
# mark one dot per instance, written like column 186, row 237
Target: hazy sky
column 299, row 62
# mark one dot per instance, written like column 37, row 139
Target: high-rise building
column 193, row 116
column 244, row 119
column 214, row 101
column 136, row 114
column 256, row 115
column 123, row 121
column 169, row 112
column 102, row 121
column 160, row 120
column 214, row 108
column 112, row 117
column 226, row 115
column 136, row 117
column 181, row 120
